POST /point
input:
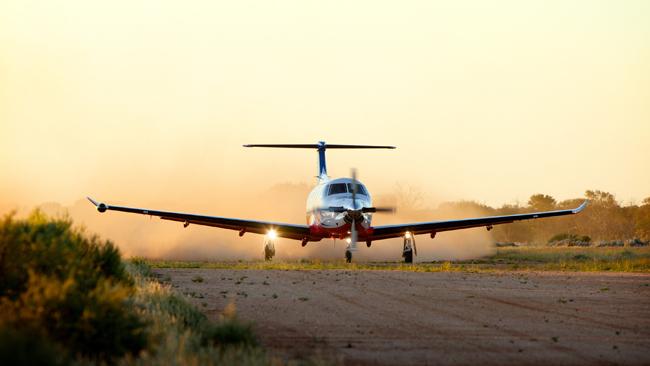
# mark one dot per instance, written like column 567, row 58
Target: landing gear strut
column 407, row 250
column 348, row 256
column 269, row 249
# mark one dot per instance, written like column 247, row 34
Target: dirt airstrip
column 444, row 318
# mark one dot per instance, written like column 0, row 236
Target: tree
column 606, row 219
column 601, row 198
column 642, row 220
column 542, row 202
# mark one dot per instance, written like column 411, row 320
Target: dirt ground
column 392, row 317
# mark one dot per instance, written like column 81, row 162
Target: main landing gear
column 409, row 248
column 269, row 248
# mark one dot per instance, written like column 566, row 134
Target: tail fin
column 321, row 146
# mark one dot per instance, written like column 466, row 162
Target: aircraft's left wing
column 432, row 227
column 290, row 231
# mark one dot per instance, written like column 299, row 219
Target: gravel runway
column 443, row 318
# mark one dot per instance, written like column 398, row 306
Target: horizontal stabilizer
column 317, row 146
column 321, row 146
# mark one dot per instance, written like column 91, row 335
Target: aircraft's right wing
column 290, row 231
column 431, row 227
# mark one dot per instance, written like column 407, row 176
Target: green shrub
column 231, row 331
column 181, row 313
column 569, row 239
column 52, row 247
column 138, row 266
column 71, row 288
column 559, row 237
column 165, row 306
column 68, row 298
column 22, row 346
column 179, row 331
column 627, row 254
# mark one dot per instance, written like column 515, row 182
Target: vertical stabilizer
column 322, row 164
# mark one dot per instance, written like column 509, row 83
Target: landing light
column 407, row 235
column 348, row 240
column 272, row 234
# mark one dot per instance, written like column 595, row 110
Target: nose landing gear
column 348, row 256
column 351, row 248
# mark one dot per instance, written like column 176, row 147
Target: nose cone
column 345, row 201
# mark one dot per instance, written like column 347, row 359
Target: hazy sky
column 145, row 102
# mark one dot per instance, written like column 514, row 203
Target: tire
column 408, row 256
column 268, row 253
column 348, row 256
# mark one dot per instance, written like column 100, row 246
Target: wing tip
column 581, row 207
column 92, row 201
column 101, row 207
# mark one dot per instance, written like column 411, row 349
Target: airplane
column 338, row 208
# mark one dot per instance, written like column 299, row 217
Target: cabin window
column 360, row 189
column 337, row 188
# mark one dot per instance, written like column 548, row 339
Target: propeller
column 356, row 212
column 354, row 189
column 339, row 209
column 353, row 229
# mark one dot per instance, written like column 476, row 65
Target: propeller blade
column 354, row 188
column 378, row 209
column 338, row 209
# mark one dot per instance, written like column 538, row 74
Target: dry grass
column 583, row 259
column 182, row 335
column 506, row 259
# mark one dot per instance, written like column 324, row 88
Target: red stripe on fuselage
column 340, row 232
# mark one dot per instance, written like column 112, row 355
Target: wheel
column 269, row 252
column 348, row 256
column 408, row 256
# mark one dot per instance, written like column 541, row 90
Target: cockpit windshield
column 360, row 189
column 337, row 188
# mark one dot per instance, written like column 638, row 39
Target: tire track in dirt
column 465, row 317
column 392, row 317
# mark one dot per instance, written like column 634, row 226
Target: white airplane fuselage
column 337, row 193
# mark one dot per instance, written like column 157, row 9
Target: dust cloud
column 150, row 237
